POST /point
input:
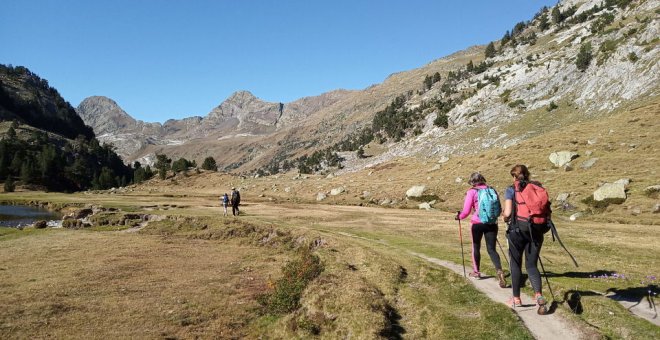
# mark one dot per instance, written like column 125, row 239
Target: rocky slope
column 533, row 74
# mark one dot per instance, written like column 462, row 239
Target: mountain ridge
column 533, row 69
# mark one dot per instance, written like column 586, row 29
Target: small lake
column 18, row 215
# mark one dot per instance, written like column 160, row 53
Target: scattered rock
column 575, row 216
column 652, row 189
column 568, row 167
column 588, row 153
column 416, row 191
column 40, row 224
column 385, row 201
column 330, row 176
column 609, row 191
column 656, row 208
column 592, row 141
column 443, row 159
column 366, row 194
column 425, row 206
column 458, row 180
column 320, row 196
column 435, row 167
column 287, row 189
column 588, row 163
column 563, row 197
column 636, row 211
column 337, row 191
column 562, row 158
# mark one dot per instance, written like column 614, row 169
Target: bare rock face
column 242, row 111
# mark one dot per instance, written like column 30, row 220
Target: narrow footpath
column 550, row 326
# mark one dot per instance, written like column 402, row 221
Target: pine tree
column 11, row 133
column 506, row 38
column 556, row 15
column 162, row 164
column 209, row 164
column 544, row 24
column 490, row 50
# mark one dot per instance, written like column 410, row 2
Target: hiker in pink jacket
column 481, row 230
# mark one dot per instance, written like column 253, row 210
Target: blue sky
column 162, row 59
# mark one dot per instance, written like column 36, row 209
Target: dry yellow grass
column 67, row 284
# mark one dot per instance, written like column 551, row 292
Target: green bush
column 551, row 107
column 584, row 57
column 516, row 103
column 442, row 120
column 296, row 275
column 632, row 56
column 10, row 186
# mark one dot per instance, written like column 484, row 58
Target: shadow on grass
column 581, row 275
column 392, row 329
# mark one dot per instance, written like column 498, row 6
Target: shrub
column 552, row 106
column 632, row 56
column 442, row 120
column 516, row 103
column 10, row 186
column 296, row 275
column 584, row 57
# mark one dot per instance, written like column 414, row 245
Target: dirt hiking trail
column 549, row 326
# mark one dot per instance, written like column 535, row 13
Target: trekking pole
column 460, row 235
column 503, row 253
column 546, row 279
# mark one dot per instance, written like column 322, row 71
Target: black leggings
column 234, row 209
column 522, row 242
column 489, row 231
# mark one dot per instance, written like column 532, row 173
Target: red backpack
column 532, row 203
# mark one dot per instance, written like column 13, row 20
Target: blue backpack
column 489, row 205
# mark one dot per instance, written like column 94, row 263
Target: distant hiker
column 235, row 201
column 485, row 203
column 526, row 210
column 225, row 202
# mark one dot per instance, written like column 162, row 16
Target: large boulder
column 610, row 191
column 416, row 191
column 561, row 158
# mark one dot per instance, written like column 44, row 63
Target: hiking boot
column 541, row 304
column 514, row 301
column 501, row 279
column 475, row 275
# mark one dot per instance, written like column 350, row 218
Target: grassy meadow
column 196, row 273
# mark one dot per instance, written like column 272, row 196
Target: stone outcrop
column 562, row 158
